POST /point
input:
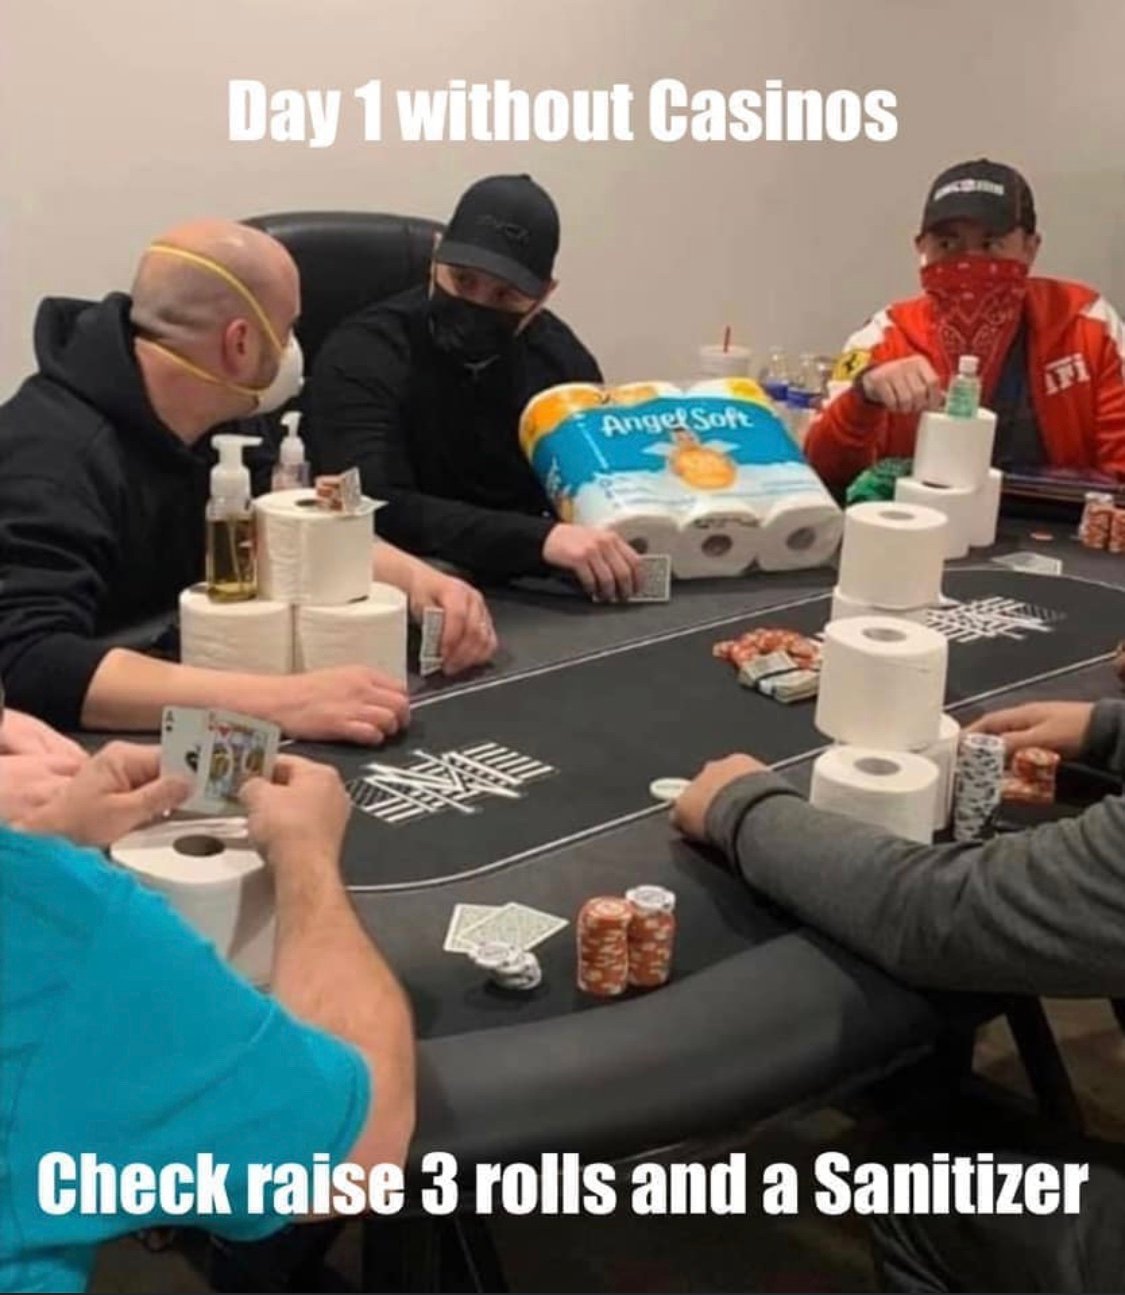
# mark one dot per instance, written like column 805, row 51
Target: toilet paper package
column 957, row 503
column 716, row 539
column 882, row 683
column 892, row 554
column 892, row 790
column 943, row 753
column 986, row 510
column 707, row 458
column 308, row 555
column 954, row 451
column 213, row 877
column 254, row 636
column 845, row 607
column 369, row 632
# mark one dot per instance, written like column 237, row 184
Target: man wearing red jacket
column 1051, row 353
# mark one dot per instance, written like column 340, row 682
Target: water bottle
column 775, row 376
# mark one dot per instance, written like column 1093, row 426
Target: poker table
column 530, row 782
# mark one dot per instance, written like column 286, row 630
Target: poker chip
column 802, row 651
column 1096, row 526
column 1033, row 775
column 1043, row 537
column 668, row 789
column 602, row 933
column 508, row 966
column 978, row 785
column 652, row 934
column 1116, row 542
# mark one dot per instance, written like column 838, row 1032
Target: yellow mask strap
column 202, row 374
column 232, row 280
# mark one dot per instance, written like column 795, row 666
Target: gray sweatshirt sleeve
column 1105, row 738
column 1036, row 912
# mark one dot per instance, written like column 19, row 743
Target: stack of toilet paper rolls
column 952, row 473
column 316, row 607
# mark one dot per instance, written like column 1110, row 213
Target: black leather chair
column 347, row 260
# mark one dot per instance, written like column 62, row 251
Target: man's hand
column 22, row 734
column 689, row 813
column 353, row 703
column 1057, row 725
column 468, row 638
column 29, row 782
column 300, row 818
column 906, row 386
column 605, row 565
column 116, row 791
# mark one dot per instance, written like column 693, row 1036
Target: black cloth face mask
column 467, row 331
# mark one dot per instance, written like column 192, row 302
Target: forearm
column 130, row 690
column 1037, row 912
column 327, row 971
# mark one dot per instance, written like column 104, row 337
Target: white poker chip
column 668, row 789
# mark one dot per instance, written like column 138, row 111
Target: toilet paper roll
column 893, row 790
column 716, row 539
column 546, row 411
column 892, row 554
column 308, row 555
column 845, row 608
column 370, row 632
column 802, row 530
column 636, row 393
column 733, row 362
column 214, row 878
column 882, row 683
column 986, row 510
column 954, row 451
column 254, row 636
column 733, row 389
column 958, row 503
column 943, row 753
column 647, row 532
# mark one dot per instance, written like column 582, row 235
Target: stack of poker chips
column 779, row 663
column 980, row 780
column 508, row 967
column 1032, row 776
column 1098, row 515
column 626, row 941
column 652, row 932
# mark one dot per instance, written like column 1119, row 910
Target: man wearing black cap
column 424, row 394
column 1051, row 353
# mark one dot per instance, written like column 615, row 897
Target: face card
column 464, row 917
column 237, row 748
column 183, row 735
column 515, row 924
column 655, row 583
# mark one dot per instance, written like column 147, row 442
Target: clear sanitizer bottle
column 292, row 469
column 963, row 397
column 232, row 568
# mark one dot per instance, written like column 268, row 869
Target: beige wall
column 113, row 121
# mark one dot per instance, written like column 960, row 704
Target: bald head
column 182, row 302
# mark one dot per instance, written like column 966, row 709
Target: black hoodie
column 101, row 507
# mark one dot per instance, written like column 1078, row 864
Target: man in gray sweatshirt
column 1038, row 912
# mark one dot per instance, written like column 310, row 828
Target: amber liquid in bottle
column 232, row 568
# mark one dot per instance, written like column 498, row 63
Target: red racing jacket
column 1076, row 368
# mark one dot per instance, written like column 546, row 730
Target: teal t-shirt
column 122, row 1033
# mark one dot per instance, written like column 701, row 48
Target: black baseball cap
column 508, row 226
column 995, row 194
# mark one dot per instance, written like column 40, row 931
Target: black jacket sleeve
column 58, row 554
column 355, row 403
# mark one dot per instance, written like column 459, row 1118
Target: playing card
column 655, row 584
column 514, row 924
column 351, row 491
column 235, row 749
column 433, row 626
column 183, row 734
column 465, row 916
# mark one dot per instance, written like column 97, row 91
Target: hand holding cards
column 216, row 751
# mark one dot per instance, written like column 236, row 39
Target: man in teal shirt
column 123, row 1034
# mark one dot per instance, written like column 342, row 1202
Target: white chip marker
column 668, row 789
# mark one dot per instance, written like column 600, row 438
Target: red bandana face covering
column 977, row 303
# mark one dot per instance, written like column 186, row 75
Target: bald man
column 104, row 477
